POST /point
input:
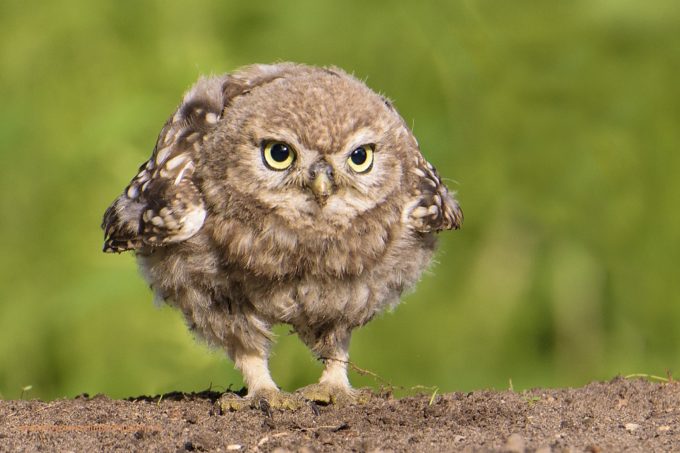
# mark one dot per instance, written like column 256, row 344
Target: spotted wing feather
column 434, row 208
column 163, row 204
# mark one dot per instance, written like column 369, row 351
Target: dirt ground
column 620, row 415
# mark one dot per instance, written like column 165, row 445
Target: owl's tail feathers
column 121, row 225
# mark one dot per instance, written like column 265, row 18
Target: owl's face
column 316, row 149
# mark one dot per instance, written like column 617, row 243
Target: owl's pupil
column 280, row 152
column 359, row 155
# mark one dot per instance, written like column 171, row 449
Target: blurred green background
column 557, row 122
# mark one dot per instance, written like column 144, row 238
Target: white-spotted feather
column 162, row 204
column 434, row 209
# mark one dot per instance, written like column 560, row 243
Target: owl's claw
column 230, row 402
column 264, row 400
column 337, row 396
column 275, row 399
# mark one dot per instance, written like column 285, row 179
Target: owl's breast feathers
column 272, row 247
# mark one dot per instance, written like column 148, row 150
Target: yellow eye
column 361, row 159
column 278, row 155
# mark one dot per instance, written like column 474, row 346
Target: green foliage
column 557, row 123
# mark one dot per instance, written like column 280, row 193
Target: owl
column 282, row 194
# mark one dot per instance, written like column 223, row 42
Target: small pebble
column 631, row 426
column 514, row 444
column 305, row 450
column 234, row 447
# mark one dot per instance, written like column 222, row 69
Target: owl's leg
column 255, row 369
column 335, row 359
column 333, row 386
column 262, row 391
column 245, row 337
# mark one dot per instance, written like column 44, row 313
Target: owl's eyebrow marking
column 363, row 136
column 283, row 135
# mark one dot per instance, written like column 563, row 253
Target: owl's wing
column 163, row 204
column 434, row 208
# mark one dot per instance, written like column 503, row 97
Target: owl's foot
column 263, row 400
column 275, row 399
column 330, row 394
column 230, row 402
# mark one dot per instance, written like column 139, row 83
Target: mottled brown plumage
column 282, row 194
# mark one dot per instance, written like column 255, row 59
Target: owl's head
column 314, row 146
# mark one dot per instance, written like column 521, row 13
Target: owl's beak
column 321, row 175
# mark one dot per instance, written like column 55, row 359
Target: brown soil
column 630, row 415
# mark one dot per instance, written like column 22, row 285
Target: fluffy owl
column 282, row 194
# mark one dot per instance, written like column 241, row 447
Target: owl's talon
column 363, row 396
column 274, row 399
column 264, row 400
column 231, row 402
column 337, row 396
